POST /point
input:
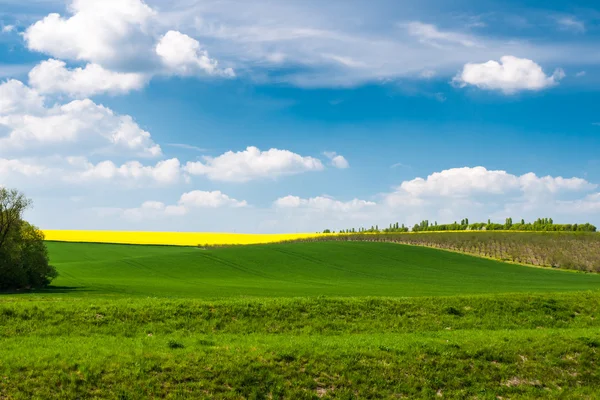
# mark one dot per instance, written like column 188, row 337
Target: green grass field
column 291, row 270
column 299, row 321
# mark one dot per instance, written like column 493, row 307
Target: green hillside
column 290, row 270
column 299, row 321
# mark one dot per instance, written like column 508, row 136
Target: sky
column 299, row 115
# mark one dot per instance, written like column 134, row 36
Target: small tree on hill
column 23, row 254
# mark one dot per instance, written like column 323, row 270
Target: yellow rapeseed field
column 170, row 238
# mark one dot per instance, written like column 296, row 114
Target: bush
column 24, row 262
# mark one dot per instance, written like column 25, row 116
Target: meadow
column 348, row 320
column 295, row 270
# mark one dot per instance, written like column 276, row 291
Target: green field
column 299, row 321
column 292, row 270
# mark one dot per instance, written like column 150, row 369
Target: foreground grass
column 289, row 270
column 513, row 346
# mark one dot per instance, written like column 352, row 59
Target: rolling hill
column 292, row 270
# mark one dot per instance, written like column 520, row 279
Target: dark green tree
column 24, row 261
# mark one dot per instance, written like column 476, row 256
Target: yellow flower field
column 170, row 238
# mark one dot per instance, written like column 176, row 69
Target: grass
column 291, row 270
column 299, row 321
column 515, row 346
column 568, row 250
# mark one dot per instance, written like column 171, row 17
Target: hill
column 299, row 269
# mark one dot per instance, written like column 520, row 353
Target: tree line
column 539, row 225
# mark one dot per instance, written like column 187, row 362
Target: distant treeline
column 540, row 225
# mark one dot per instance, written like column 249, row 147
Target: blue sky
column 272, row 116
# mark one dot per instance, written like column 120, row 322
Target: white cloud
column 466, row 182
column 183, row 55
column 293, row 41
column 469, row 189
column 120, row 41
column 430, row 34
column 322, row 203
column 196, row 199
column 588, row 205
column 106, row 32
column 9, row 168
column 580, row 74
column 52, row 76
column 151, row 210
column 337, row 160
column 510, row 75
column 80, row 126
column 8, row 28
column 72, row 171
column 133, row 172
column 214, row 199
column 571, row 23
column 250, row 164
column 15, row 97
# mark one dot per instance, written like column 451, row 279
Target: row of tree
column 539, row 225
column 373, row 229
column 24, row 260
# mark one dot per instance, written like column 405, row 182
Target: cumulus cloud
column 322, row 203
column 510, row 75
column 81, row 126
column 53, row 76
column 59, row 171
column 251, row 164
column 16, row 97
column 183, row 55
column 214, row 199
column 21, row 168
column 470, row 184
column 466, row 181
column 131, row 172
column 189, row 201
column 119, row 40
column 337, row 161
column 106, row 32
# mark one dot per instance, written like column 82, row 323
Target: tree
column 23, row 255
column 12, row 205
